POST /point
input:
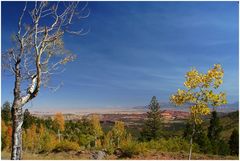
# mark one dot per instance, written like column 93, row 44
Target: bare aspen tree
column 38, row 53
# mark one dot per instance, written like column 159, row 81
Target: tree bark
column 17, row 116
column 190, row 150
column 17, row 121
column 18, row 102
column 191, row 143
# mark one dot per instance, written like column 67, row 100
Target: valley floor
column 152, row 155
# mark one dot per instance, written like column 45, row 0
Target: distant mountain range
column 137, row 109
column 168, row 106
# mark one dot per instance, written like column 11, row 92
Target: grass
column 151, row 155
column 155, row 155
column 50, row 156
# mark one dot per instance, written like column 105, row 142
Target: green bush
column 170, row 145
column 109, row 149
column 223, row 148
column 66, row 146
column 130, row 149
column 164, row 145
column 85, row 140
column 141, row 148
column 47, row 143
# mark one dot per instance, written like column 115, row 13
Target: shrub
column 47, row 142
column 110, row 149
column 66, row 146
column 85, row 140
column 170, row 145
column 3, row 136
column 234, row 142
column 223, row 148
column 129, row 149
column 141, row 148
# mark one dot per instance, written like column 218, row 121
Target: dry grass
column 51, row 156
column 152, row 155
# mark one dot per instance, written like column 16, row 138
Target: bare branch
column 80, row 32
column 20, row 20
column 39, row 49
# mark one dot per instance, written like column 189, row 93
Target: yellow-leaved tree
column 200, row 94
column 30, row 139
column 118, row 132
column 97, row 129
column 59, row 124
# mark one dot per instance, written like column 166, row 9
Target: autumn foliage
column 199, row 92
column 89, row 134
column 59, row 121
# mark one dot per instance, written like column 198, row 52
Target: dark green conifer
column 6, row 112
column 215, row 128
column 152, row 125
column 28, row 119
column 234, row 143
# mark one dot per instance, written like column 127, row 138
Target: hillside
column 173, row 120
column 229, row 123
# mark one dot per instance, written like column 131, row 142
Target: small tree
column 214, row 131
column 6, row 112
column 202, row 140
column 30, row 139
column 108, row 142
column 59, row 120
column 97, row 129
column 152, row 126
column 28, row 119
column 187, row 131
column 4, row 143
column 46, row 140
column 49, row 123
column 59, row 124
column 118, row 132
column 199, row 94
column 234, row 142
column 80, row 131
column 199, row 138
column 38, row 52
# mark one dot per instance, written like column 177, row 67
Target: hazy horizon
column 135, row 51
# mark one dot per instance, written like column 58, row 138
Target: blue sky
column 136, row 50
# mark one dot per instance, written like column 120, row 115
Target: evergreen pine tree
column 214, row 129
column 152, row 126
column 6, row 112
column 202, row 140
column 234, row 143
column 28, row 119
column 199, row 137
column 187, row 131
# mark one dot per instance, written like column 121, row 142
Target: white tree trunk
column 190, row 150
column 17, row 120
column 191, row 143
